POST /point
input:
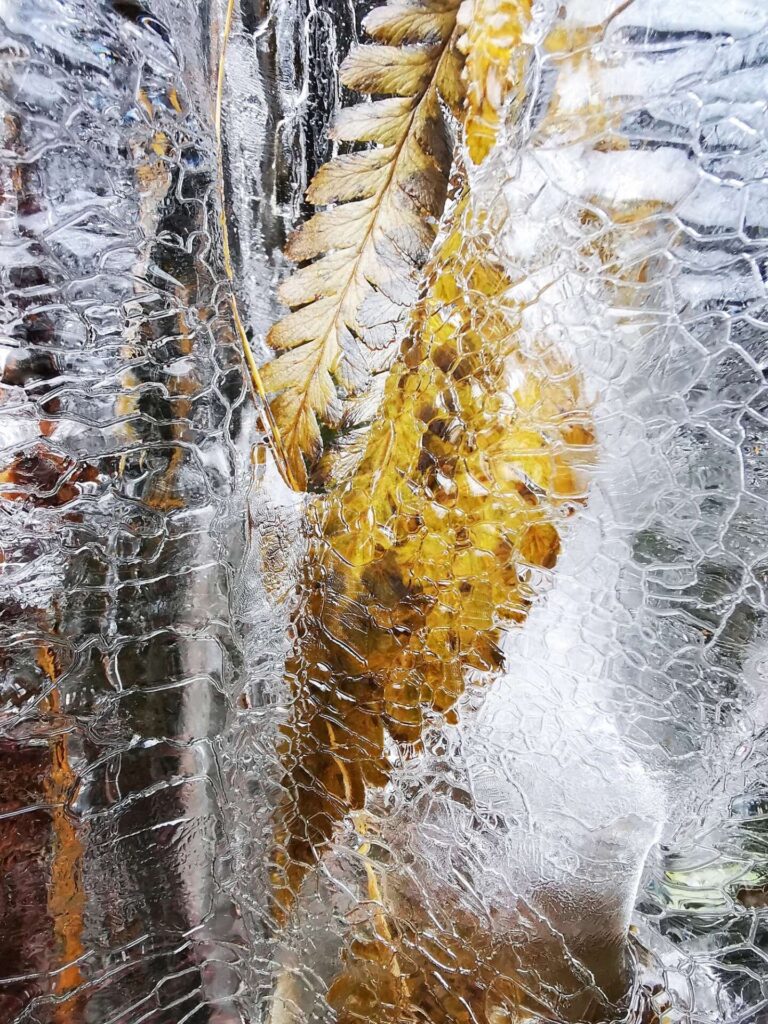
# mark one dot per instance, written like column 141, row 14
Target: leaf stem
column 257, row 384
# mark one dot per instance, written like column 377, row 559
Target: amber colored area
column 46, row 479
column 66, row 897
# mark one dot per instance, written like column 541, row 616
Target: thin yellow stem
column 66, row 897
column 374, row 891
column 253, row 370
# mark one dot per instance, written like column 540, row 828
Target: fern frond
column 363, row 250
column 426, row 547
column 432, row 544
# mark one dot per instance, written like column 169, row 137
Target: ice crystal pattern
column 573, row 828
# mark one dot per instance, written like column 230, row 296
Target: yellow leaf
column 494, row 68
column 427, row 548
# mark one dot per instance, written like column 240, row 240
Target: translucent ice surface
column 469, row 725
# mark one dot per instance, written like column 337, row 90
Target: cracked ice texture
column 616, row 773
column 123, row 506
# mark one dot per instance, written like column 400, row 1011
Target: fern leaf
column 356, row 176
column 431, row 544
column 431, row 538
column 397, row 24
column 364, row 249
column 390, row 70
column 383, row 121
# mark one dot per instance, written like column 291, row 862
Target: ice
column 586, row 828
